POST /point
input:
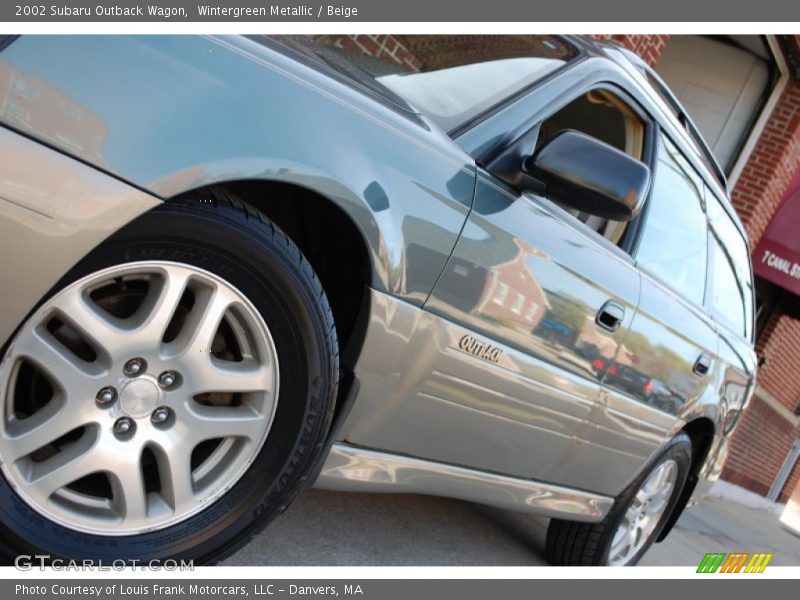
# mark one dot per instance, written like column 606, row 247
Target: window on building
column 22, row 87
column 518, row 302
column 532, row 309
column 500, row 294
column 674, row 242
column 14, row 112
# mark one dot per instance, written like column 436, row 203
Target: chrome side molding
column 355, row 469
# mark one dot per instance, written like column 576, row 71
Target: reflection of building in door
column 511, row 293
column 26, row 99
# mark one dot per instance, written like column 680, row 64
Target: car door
column 545, row 283
column 668, row 357
column 526, row 276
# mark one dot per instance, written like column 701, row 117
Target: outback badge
column 482, row 350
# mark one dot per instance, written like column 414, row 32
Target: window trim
column 630, row 238
column 7, row 40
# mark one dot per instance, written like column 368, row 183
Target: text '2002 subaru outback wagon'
column 504, row 269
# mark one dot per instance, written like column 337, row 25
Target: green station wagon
column 507, row 271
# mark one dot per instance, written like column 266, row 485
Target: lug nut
column 106, row 396
column 123, row 425
column 134, row 367
column 167, row 379
column 160, row 415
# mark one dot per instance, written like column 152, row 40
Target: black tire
column 217, row 232
column 586, row 544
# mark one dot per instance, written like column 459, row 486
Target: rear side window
column 731, row 295
column 674, row 242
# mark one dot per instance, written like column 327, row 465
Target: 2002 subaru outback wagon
column 503, row 269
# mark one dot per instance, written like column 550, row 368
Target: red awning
column 777, row 256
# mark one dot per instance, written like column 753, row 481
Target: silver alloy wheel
column 136, row 397
column 643, row 514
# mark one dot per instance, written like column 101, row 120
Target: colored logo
column 738, row 562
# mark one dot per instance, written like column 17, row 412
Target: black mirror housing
column 591, row 176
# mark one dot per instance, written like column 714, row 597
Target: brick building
column 743, row 92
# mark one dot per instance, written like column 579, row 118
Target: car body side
column 171, row 114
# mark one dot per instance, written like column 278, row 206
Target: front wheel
column 634, row 521
column 170, row 395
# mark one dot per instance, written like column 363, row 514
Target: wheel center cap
column 139, row 397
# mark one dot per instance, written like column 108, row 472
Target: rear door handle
column 702, row 365
column 610, row 316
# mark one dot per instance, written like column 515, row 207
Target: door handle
column 702, row 365
column 610, row 316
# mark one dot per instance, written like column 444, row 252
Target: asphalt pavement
column 325, row 528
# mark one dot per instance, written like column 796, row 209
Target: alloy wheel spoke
column 661, row 476
column 65, row 468
column 634, row 538
column 128, row 489
column 161, row 304
column 213, row 375
column 40, row 429
column 656, row 506
column 618, row 544
column 210, row 422
column 99, row 327
column 63, row 368
column 174, row 468
column 202, row 324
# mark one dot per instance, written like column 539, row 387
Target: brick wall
column 761, row 443
column 771, row 166
column 758, row 193
column 761, row 187
column 780, row 343
column 379, row 46
column 647, row 47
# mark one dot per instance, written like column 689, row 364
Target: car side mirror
column 586, row 174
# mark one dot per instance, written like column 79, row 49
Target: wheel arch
column 333, row 243
column 701, row 432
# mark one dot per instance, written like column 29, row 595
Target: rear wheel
column 171, row 394
column 635, row 519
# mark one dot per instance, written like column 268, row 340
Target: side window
column 731, row 295
column 604, row 116
column 674, row 241
column 726, row 298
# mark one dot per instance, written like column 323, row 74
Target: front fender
column 174, row 113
